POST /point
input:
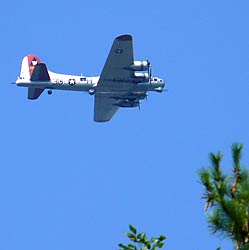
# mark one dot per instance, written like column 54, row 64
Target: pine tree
column 227, row 198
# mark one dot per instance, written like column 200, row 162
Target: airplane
column 123, row 82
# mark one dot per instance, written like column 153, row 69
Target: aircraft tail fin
column 32, row 69
column 28, row 64
column 39, row 74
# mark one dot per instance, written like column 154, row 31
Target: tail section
column 32, row 69
column 34, row 93
column 28, row 64
column 40, row 73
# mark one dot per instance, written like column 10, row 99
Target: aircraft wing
column 116, row 69
column 104, row 107
column 106, row 104
column 113, row 77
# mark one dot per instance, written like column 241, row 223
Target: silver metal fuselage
column 78, row 83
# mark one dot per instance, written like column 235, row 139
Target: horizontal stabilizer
column 40, row 73
column 34, row 93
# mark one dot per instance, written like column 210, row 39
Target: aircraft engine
column 128, row 103
column 144, row 76
column 140, row 65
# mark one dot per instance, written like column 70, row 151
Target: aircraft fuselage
column 82, row 83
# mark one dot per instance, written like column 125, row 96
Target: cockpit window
column 83, row 79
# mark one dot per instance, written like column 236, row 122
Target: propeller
column 149, row 70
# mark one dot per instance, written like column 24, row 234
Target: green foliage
column 227, row 198
column 141, row 242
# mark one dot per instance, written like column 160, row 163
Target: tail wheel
column 50, row 92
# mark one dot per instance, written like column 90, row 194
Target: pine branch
column 215, row 161
column 236, row 151
column 229, row 198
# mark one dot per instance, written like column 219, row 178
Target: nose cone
column 163, row 83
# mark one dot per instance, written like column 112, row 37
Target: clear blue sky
column 69, row 183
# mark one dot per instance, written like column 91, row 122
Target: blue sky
column 69, row 183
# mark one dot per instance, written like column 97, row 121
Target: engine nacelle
column 128, row 103
column 144, row 76
column 140, row 65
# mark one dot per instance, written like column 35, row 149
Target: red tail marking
column 32, row 60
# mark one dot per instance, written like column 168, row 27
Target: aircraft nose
column 164, row 86
column 163, row 83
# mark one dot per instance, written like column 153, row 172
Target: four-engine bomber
column 123, row 82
